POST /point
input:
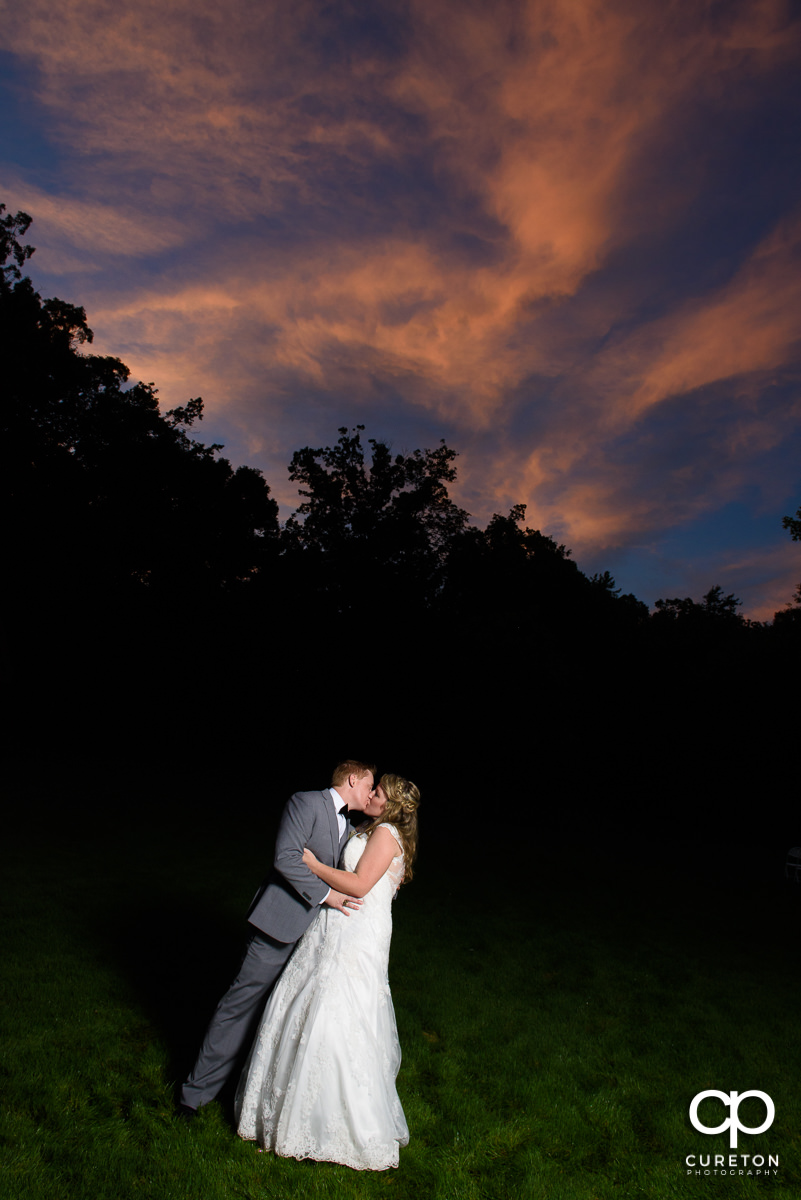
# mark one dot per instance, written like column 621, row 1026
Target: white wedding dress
column 320, row 1079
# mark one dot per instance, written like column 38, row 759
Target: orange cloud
column 67, row 228
column 749, row 325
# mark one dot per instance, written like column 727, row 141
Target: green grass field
column 552, row 1038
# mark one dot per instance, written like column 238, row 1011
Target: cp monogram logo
column 732, row 1100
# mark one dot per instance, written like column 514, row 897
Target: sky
column 563, row 235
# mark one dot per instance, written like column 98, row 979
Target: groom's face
column 361, row 791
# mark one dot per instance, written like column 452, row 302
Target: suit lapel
column 332, row 805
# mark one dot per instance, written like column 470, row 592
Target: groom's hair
column 344, row 770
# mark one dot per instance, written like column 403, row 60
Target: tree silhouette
column 789, row 618
column 518, row 583
column 102, row 489
column 391, row 519
column 12, row 228
column 794, row 525
column 714, row 611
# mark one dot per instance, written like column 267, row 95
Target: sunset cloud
column 749, row 325
column 562, row 235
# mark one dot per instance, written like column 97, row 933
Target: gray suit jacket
column 286, row 903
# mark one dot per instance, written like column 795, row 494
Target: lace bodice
column 355, row 848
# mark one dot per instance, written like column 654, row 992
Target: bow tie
column 343, row 811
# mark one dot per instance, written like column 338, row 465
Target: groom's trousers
column 236, row 1018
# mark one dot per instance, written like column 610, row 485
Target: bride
column 320, row 1079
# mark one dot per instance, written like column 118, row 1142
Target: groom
column 279, row 914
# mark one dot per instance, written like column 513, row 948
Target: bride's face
column 377, row 803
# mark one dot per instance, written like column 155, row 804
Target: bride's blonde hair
column 403, row 798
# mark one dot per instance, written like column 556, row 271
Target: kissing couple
column 320, row 1078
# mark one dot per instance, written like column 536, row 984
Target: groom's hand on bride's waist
column 345, row 904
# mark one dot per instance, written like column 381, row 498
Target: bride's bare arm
column 379, row 852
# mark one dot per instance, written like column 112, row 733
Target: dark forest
column 166, row 630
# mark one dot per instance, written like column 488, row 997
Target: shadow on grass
column 177, row 959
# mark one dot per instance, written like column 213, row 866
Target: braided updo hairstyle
column 403, row 798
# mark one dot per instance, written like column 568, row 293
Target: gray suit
column 280, row 913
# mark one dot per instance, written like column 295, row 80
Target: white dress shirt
column 338, row 802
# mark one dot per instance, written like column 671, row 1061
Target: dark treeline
column 163, row 621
